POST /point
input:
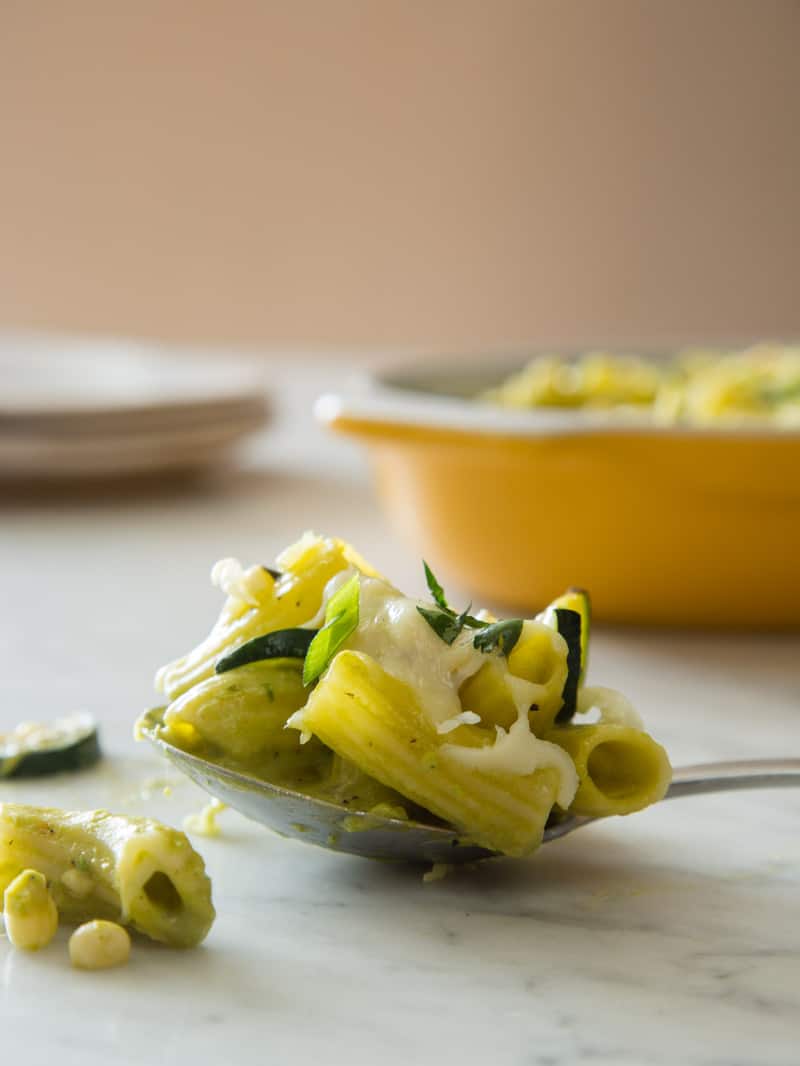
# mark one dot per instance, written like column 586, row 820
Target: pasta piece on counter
column 134, row 871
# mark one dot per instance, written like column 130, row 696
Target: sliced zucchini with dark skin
column 281, row 644
column 575, row 599
column 569, row 625
column 35, row 749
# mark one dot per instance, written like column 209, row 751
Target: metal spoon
column 328, row 825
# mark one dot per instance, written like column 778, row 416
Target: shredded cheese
column 465, row 718
column 249, row 586
column 393, row 632
column 204, row 823
column 612, row 706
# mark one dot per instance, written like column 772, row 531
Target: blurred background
column 372, row 173
column 212, row 213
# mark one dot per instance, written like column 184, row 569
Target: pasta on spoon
column 322, row 677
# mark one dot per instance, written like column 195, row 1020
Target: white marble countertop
column 669, row 937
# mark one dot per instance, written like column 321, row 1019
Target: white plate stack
column 80, row 408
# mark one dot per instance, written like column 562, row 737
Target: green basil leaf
column 447, row 624
column 341, row 618
column 436, row 590
column 443, row 624
column 280, row 644
column 465, row 618
column 500, row 635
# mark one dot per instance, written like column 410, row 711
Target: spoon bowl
column 328, row 825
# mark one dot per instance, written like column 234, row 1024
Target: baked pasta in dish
column 322, row 677
column 699, row 386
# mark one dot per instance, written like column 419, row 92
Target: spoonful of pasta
column 377, row 836
column 331, row 708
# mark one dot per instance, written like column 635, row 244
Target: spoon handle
column 726, row 776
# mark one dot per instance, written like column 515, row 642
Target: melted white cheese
column 465, row 718
column 614, row 708
column 251, row 586
column 518, row 751
column 393, row 632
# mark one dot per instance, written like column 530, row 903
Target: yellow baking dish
column 667, row 525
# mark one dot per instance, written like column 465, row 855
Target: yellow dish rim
column 379, row 411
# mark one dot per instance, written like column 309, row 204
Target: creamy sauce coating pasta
column 393, row 632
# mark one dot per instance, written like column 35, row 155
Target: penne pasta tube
column 293, row 599
column 134, row 871
column 241, row 713
column 539, row 658
column 487, row 694
column 620, row 769
column 374, row 720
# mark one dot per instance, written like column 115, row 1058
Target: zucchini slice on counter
column 34, row 749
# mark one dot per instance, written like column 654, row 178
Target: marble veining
column 669, row 937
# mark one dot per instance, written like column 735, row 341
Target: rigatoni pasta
column 324, row 678
column 698, row 386
column 375, row 721
column 99, row 865
column 620, row 769
column 275, row 600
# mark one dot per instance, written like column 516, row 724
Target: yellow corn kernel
column 99, row 945
column 30, row 914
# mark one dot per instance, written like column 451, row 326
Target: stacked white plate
column 78, row 408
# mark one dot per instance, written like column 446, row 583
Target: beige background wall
column 449, row 172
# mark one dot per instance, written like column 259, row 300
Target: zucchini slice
column 280, row 644
column 575, row 599
column 569, row 625
column 34, row 749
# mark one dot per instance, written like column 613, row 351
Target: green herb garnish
column 341, row 618
column 499, row 635
column 280, row 644
column 436, row 589
column 275, row 574
column 445, row 622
